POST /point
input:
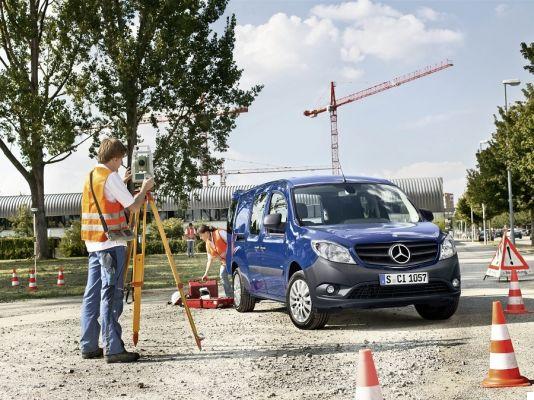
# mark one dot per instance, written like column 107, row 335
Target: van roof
column 320, row 179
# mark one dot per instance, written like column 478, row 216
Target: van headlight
column 332, row 252
column 448, row 249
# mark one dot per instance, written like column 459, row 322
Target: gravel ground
column 261, row 355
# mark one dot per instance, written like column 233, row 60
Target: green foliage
column 22, row 222
column 200, row 246
column 43, row 97
column 521, row 218
column 164, row 57
column 173, row 227
column 440, row 223
column 511, row 146
column 177, row 246
column 463, row 211
column 71, row 244
column 18, row 248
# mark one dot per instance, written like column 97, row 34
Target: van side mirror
column 426, row 214
column 272, row 221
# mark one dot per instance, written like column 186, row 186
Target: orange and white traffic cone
column 14, row 278
column 504, row 371
column 60, row 278
column 32, row 284
column 515, row 298
column 367, row 385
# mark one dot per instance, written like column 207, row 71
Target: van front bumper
column 358, row 286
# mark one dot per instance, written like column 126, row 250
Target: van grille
column 375, row 291
column 378, row 253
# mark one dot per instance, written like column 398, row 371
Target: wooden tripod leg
column 179, row 284
column 138, row 279
column 129, row 248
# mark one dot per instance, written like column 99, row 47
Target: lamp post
column 511, row 82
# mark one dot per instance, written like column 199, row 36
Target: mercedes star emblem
column 399, row 253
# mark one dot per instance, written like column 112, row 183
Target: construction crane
column 336, row 103
column 224, row 173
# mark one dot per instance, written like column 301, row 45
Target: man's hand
column 127, row 175
column 147, row 185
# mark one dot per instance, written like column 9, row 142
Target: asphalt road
column 261, row 355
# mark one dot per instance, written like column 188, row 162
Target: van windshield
column 352, row 203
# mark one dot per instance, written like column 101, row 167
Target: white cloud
column 354, row 11
column 428, row 14
column 334, row 38
column 434, row 119
column 502, row 9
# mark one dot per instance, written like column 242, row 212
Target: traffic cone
column 32, row 285
column 515, row 298
column 367, row 385
column 60, row 278
column 15, row 279
column 504, row 371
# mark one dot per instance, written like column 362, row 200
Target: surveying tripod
column 138, row 270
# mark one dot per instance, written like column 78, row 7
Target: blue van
column 323, row 244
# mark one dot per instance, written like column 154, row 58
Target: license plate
column 412, row 278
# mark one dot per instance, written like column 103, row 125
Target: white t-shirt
column 224, row 236
column 114, row 190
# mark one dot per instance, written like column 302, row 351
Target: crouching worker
column 105, row 232
column 216, row 243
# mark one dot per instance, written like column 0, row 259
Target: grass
column 157, row 275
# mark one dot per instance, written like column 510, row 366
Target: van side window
column 278, row 205
column 257, row 213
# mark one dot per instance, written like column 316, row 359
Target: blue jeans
column 190, row 248
column 103, row 298
column 225, row 279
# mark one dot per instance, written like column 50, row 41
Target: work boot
column 124, row 357
column 93, row 354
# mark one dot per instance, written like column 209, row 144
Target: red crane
column 335, row 103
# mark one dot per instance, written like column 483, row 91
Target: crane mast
column 336, row 103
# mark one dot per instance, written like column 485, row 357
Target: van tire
column 315, row 319
column 243, row 302
column 439, row 310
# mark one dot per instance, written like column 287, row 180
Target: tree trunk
column 36, row 184
column 532, row 227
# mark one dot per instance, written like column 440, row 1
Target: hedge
column 12, row 248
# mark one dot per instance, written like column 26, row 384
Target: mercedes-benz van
column 323, row 244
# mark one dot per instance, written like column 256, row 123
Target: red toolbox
column 221, row 302
column 195, row 285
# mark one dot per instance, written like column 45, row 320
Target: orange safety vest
column 219, row 249
column 113, row 212
column 190, row 233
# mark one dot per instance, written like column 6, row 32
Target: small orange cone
column 515, row 298
column 15, row 279
column 367, row 385
column 504, row 371
column 60, row 278
column 32, row 285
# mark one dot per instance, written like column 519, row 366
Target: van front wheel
column 300, row 306
column 243, row 301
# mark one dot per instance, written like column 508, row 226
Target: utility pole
column 511, row 82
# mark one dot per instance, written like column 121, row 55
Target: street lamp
column 511, row 82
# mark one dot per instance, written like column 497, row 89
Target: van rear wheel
column 300, row 306
column 243, row 301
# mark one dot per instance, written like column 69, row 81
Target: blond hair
column 109, row 149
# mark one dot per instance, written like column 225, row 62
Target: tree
column 158, row 56
column 22, row 222
column 42, row 44
column 463, row 210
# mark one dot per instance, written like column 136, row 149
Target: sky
column 426, row 128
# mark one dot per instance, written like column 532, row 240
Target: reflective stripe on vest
column 113, row 212
column 218, row 246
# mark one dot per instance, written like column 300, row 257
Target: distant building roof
column 424, row 193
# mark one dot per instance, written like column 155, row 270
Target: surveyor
column 105, row 232
column 190, row 236
column 216, row 243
